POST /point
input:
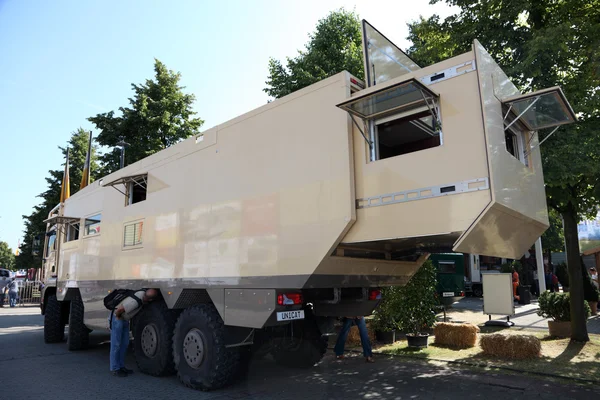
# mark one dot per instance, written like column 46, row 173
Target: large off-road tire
column 300, row 352
column 54, row 328
column 78, row 335
column 201, row 358
column 153, row 339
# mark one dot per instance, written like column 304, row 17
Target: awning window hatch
column 546, row 108
column 140, row 180
column 401, row 97
column 61, row 220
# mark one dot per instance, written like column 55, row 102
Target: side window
column 447, row 267
column 4, row 274
column 132, row 234
column 92, row 225
column 137, row 189
column 51, row 243
column 517, row 140
column 72, row 232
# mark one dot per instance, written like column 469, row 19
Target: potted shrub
column 557, row 307
column 384, row 318
column 416, row 313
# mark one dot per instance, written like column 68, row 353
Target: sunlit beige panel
column 424, row 217
column 514, row 185
column 394, row 272
column 501, row 232
column 462, row 156
column 268, row 193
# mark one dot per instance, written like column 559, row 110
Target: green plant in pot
column 416, row 313
column 385, row 316
column 557, row 307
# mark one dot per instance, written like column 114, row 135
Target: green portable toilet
column 450, row 276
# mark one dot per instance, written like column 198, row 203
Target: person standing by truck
column 364, row 337
column 119, row 328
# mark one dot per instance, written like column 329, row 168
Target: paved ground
column 470, row 309
column 34, row 370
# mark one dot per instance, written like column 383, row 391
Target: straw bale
column 354, row 335
column 456, row 335
column 511, row 346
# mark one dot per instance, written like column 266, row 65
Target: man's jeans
column 119, row 340
column 12, row 298
column 364, row 336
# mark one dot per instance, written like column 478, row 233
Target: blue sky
column 64, row 61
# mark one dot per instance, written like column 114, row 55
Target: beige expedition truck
column 264, row 229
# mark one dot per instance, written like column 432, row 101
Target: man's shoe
column 120, row 373
column 127, row 370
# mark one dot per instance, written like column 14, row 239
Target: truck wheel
column 300, row 352
column 201, row 358
column 54, row 329
column 153, row 339
column 478, row 291
column 78, row 335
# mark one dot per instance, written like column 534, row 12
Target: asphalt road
column 34, row 370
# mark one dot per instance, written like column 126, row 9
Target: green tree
column 34, row 222
column 7, row 258
column 539, row 44
column 159, row 115
column 333, row 47
column 553, row 240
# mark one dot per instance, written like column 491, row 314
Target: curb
column 483, row 365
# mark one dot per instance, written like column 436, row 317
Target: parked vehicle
column 450, row 276
column 262, row 230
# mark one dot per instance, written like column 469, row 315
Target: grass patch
column 560, row 357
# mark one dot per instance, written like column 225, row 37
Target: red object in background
column 374, row 294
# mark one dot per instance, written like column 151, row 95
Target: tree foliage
column 333, row 47
column 159, row 115
column 7, row 258
column 409, row 308
column 34, row 222
column 553, row 239
column 540, row 44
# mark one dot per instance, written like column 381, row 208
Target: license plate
column 290, row 315
column 448, row 294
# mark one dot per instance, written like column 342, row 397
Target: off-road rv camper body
column 299, row 211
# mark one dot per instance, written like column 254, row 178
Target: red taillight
column 462, row 294
column 374, row 294
column 289, row 299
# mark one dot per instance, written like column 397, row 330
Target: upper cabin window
column 516, row 139
column 72, row 232
column 404, row 135
column 399, row 119
column 92, row 225
column 137, row 189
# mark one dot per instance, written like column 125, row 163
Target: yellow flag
column 85, row 176
column 65, row 190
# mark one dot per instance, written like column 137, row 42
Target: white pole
column 539, row 259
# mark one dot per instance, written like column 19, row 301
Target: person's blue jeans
column 119, row 340
column 12, row 298
column 343, row 335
